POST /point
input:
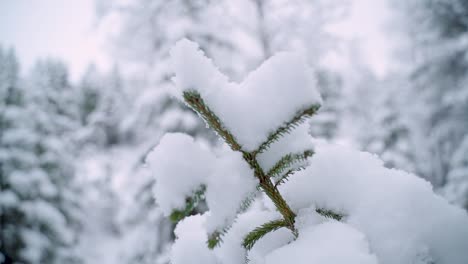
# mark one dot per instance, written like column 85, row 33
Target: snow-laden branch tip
column 344, row 205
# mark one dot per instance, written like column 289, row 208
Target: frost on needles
column 274, row 194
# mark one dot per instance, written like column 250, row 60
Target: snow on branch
column 275, row 195
column 252, row 111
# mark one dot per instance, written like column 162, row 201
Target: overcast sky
column 66, row 29
column 59, row 28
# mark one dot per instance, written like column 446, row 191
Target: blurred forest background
column 74, row 187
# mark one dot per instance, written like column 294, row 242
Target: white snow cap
column 251, row 110
column 231, row 182
column 180, row 166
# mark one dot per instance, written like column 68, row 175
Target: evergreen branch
column 329, row 214
column 194, row 100
column 259, row 232
column 298, row 119
column 190, row 204
column 285, row 162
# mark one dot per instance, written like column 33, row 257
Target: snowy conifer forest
column 246, row 131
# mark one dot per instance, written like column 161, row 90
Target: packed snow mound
column 190, row 246
column 253, row 109
column 401, row 217
column 231, row 182
column 330, row 243
column 177, row 181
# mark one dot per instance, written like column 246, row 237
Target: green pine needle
column 298, row 119
column 248, row 201
column 190, row 204
column 285, row 177
column 215, row 239
column 259, row 232
column 287, row 161
column 330, row 214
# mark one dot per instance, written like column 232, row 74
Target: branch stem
column 271, row 191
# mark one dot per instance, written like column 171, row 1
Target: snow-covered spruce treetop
column 274, row 194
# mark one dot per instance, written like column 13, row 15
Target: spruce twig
column 285, row 177
column 194, row 100
column 329, row 214
column 190, row 204
column 287, row 161
column 215, row 238
column 259, row 232
column 248, row 201
column 270, row 190
column 298, row 119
